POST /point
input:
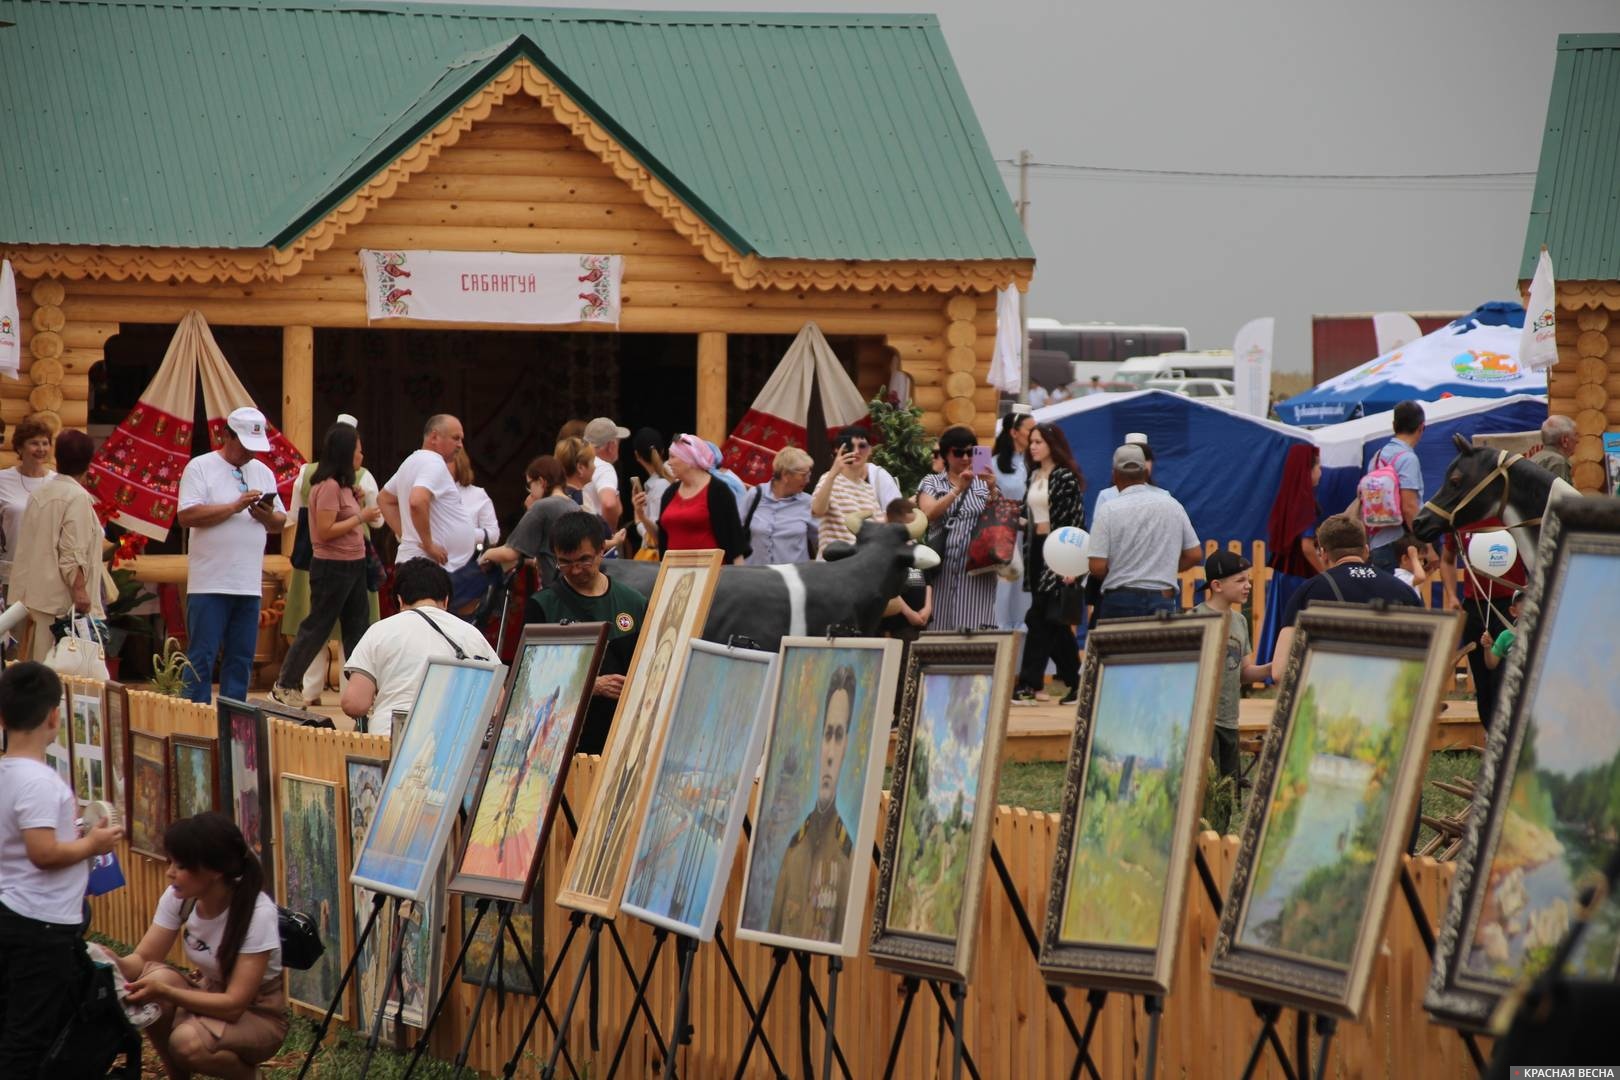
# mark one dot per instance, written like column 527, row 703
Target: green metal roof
column 176, row 123
column 1576, row 207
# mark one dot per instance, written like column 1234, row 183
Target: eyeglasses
column 578, row 564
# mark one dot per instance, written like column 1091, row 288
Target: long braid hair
column 211, row 841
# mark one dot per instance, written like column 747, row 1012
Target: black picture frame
column 256, row 818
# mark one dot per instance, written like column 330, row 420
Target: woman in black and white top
column 955, row 499
column 1051, row 501
column 232, row 1014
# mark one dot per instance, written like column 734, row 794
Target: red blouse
column 686, row 522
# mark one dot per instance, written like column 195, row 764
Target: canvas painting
column 363, row 787
column 89, row 743
column 594, row 878
column 149, row 793
column 511, row 818
column 59, row 753
column 511, row 976
column 421, row 925
column 312, row 882
column 422, row 791
column 1332, row 806
column 700, row 790
column 1547, row 811
column 117, row 701
column 193, row 775
column 945, row 774
column 244, row 777
column 808, row 867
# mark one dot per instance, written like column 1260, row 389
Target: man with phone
column 229, row 502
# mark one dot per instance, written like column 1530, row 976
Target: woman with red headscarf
column 1291, row 539
column 696, row 513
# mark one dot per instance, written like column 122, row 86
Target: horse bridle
column 1504, row 462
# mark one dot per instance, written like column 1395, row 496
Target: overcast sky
column 1259, row 86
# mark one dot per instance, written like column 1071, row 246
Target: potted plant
column 122, row 622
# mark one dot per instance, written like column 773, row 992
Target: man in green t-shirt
column 1229, row 585
column 582, row 593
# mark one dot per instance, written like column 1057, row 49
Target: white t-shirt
column 229, row 557
column 203, row 936
column 481, row 512
column 14, row 491
column 32, row 796
column 1408, row 580
column 394, row 653
column 452, row 528
column 884, row 484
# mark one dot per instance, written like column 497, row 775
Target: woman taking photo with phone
column 843, row 490
column 232, row 1014
column 955, row 499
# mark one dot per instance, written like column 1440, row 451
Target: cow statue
column 765, row 604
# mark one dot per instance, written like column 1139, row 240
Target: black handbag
column 301, row 943
column 303, row 547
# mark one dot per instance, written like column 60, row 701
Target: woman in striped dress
column 953, row 501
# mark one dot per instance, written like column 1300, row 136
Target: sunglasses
column 241, row 481
column 960, row 451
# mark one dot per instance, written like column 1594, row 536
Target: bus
column 1098, row 348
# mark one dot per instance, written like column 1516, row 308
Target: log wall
column 1013, row 1028
column 1585, row 383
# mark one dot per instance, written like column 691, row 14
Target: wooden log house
column 1575, row 213
column 755, row 171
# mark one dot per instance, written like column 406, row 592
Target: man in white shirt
column 1139, row 544
column 604, row 435
column 386, row 669
column 228, row 500
column 422, row 505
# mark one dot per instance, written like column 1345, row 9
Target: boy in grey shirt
column 1229, row 583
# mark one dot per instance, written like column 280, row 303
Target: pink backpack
column 1380, row 494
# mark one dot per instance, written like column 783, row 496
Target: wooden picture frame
column 206, row 748
column 599, row 861
column 528, row 759
column 1560, row 681
column 116, row 714
column 715, row 731
column 149, row 793
column 422, row 790
column 362, row 787
column 246, row 778
column 960, row 684
column 1132, row 839
column 1344, row 759
column 92, row 774
column 320, row 893
column 794, row 814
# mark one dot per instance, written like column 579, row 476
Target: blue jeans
column 1133, row 604
column 216, row 621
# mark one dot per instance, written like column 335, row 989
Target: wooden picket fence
column 1014, row 1030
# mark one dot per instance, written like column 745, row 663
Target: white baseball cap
column 250, row 427
column 345, row 418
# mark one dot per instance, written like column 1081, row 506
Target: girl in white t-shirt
column 231, row 1013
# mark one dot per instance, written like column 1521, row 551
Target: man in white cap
column 228, row 500
column 1140, row 542
column 602, row 496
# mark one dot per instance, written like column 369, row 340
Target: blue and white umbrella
column 1475, row 356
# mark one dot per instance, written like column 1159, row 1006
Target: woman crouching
column 232, row 1014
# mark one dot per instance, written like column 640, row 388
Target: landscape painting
column 422, row 790
column 511, row 817
column 148, row 792
column 193, row 775
column 805, row 885
column 89, row 744
column 312, row 883
column 700, row 790
column 1330, row 804
column 1126, row 822
column 1562, row 813
column 364, row 778
column 511, row 976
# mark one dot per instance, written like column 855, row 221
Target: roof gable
column 210, row 126
column 1575, row 210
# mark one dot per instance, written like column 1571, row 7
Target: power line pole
column 1024, row 160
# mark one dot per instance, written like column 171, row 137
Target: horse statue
column 1481, row 483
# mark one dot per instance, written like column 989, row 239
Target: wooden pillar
column 711, row 386
column 297, row 399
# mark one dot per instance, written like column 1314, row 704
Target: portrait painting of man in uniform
column 805, row 885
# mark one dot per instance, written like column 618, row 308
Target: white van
column 1203, row 364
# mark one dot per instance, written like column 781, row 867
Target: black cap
column 1223, row 564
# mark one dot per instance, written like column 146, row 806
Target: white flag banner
column 1251, row 366
column 10, row 323
column 1538, row 345
column 1007, row 358
column 492, row 287
column 1392, row 329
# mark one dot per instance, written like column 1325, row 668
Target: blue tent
column 1475, row 356
column 1222, row 465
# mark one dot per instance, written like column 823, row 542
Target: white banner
column 492, row 287
column 10, row 323
column 1392, row 329
column 1251, row 366
column 1538, row 345
column 1007, row 357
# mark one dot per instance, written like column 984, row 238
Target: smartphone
column 635, row 485
column 981, row 459
column 267, row 500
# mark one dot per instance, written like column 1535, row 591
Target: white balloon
column 1492, row 552
column 1065, row 551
